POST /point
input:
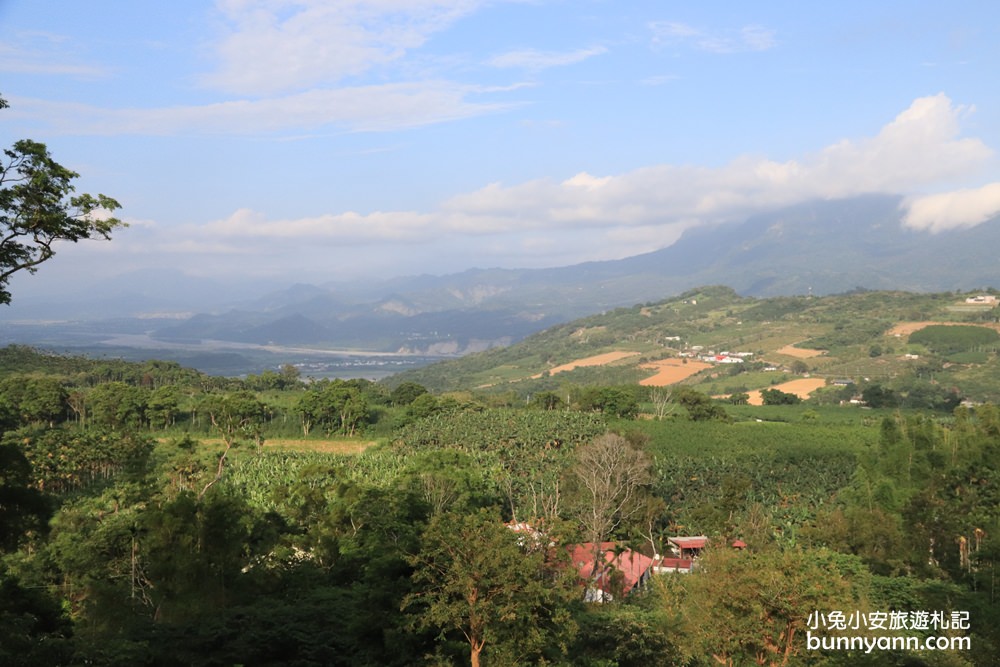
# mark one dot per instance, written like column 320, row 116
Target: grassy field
column 335, row 446
column 342, row 446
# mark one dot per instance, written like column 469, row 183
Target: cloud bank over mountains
column 539, row 222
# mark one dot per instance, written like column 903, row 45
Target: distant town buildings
column 711, row 356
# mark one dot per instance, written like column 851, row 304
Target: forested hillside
column 879, row 341
column 152, row 515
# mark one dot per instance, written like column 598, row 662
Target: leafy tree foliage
column 163, row 405
column 287, row 378
column 33, row 629
column 422, row 406
column 503, row 430
column 309, row 558
column 406, row 392
column 117, row 405
column 65, row 459
column 548, row 400
column 877, row 396
column 38, row 209
column 193, row 551
column 699, row 406
column 615, row 401
column 23, row 508
column 473, row 578
column 338, row 406
column 739, row 398
column 449, row 480
column 34, row 400
column 237, row 418
column 778, row 397
column 750, row 607
column 630, row 635
column 526, row 451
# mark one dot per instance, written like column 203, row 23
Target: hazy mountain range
column 822, row 247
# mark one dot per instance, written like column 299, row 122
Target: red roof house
column 616, row 571
column 687, row 547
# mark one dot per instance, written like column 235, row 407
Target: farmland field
column 801, row 388
column 331, row 446
column 596, row 360
column 672, row 371
column 799, row 352
column 341, row 446
column 907, row 328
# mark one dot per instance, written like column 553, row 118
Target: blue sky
column 312, row 141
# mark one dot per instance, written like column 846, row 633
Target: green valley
column 155, row 515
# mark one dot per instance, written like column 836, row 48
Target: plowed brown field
column 672, row 371
column 801, row 388
column 800, row 352
column 596, row 360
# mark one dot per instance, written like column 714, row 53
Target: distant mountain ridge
column 818, row 247
column 825, row 247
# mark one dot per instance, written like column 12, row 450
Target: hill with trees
column 722, row 343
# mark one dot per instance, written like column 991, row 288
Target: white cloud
column 664, row 30
column 757, row 38
column 46, row 54
column 531, row 59
column 363, row 108
column 920, row 146
column 659, row 79
column 647, row 208
column 747, row 38
column 950, row 210
column 274, row 46
column 290, row 63
column 346, row 228
column 584, row 216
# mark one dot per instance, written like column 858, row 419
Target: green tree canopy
column 406, row 393
column 752, row 607
column 34, row 400
column 700, row 407
column 338, row 406
column 778, row 397
column 117, row 405
column 473, row 578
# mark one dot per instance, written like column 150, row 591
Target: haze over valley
column 375, row 328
